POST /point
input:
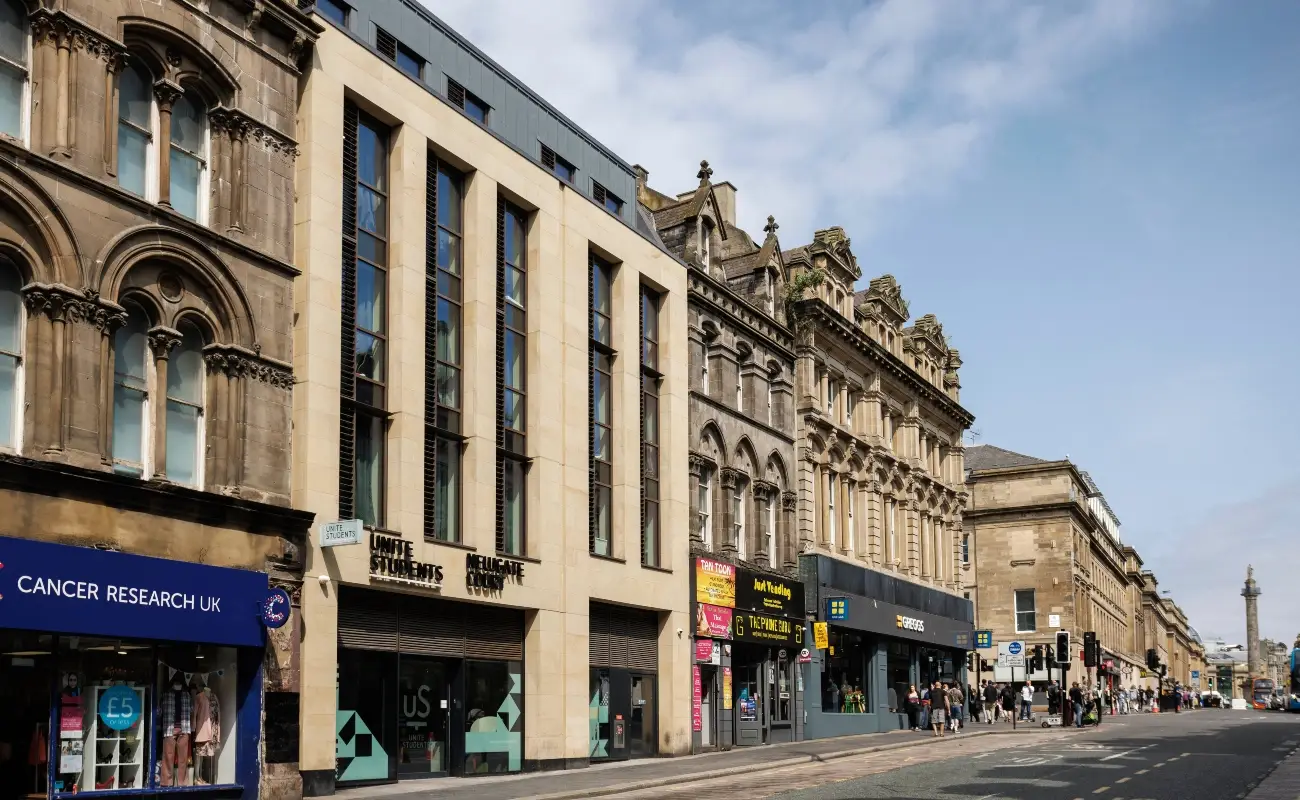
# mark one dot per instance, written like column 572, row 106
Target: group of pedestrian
column 939, row 706
column 999, row 701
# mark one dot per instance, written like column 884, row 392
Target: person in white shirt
column 1026, row 700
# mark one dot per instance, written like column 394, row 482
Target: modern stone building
column 741, row 461
column 146, row 310
column 879, row 489
column 493, row 354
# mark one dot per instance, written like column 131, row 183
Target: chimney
column 726, row 194
column 642, row 175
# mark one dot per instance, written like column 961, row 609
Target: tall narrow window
column 831, row 390
column 771, row 292
column 704, row 507
column 849, row 491
column 1026, row 614
column 965, row 548
column 771, row 527
column 831, row 488
column 134, row 129
column 602, row 368
column 11, row 357
column 185, row 409
column 704, row 368
column 740, row 388
column 13, row 68
column 703, row 233
column 738, row 521
column 189, row 157
column 771, row 390
column 363, row 428
column 131, row 394
column 892, row 510
column 650, row 375
column 511, row 356
column 443, row 360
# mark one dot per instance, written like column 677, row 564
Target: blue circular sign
column 120, row 707
column 1014, row 648
column 275, row 609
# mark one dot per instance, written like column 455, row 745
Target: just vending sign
column 769, row 594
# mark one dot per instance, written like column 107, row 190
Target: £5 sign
column 911, row 624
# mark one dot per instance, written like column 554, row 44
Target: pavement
column 1283, row 783
column 623, row 778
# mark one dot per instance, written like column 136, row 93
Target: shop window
column 365, row 733
column 11, row 358
column 131, row 394
column 898, row 668
column 493, row 716
column 195, row 706
column 846, row 688
column 13, row 68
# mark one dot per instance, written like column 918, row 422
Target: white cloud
column 820, row 120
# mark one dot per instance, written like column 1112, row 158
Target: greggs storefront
column 749, row 637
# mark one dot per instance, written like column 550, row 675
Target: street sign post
column 1011, row 654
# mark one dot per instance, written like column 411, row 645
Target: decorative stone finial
column 705, row 173
column 771, row 226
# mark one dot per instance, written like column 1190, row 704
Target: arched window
column 185, row 409
column 135, row 130
column 131, row 394
column 189, row 157
column 772, row 556
column 11, row 358
column 13, row 68
column 704, row 507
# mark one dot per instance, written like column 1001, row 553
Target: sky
column 1099, row 199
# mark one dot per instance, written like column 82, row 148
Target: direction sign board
column 1011, row 654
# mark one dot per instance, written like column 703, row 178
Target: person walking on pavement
column 925, row 707
column 956, row 703
column 1008, row 702
column 913, row 708
column 1053, row 698
column 1026, row 701
column 1076, row 704
column 938, row 709
column 990, row 701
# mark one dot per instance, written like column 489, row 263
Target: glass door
column 424, row 686
column 643, row 734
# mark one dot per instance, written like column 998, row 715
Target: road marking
column 1123, row 780
column 1161, row 764
column 1126, row 752
column 1101, row 789
column 1142, row 772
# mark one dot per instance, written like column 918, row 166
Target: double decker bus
column 1261, row 691
column 1293, row 702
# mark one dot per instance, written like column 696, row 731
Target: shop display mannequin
column 207, row 735
column 177, row 715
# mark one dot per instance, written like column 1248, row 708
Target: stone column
column 911, row 513
column 162, row 340
column 927, row 557
column 874, row 523
column 789, row 558
column 166, row 94
column 848, row 541
column 765, row 496
column 728, row 479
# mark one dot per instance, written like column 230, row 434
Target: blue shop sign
column 120, row 707
column 64, row 589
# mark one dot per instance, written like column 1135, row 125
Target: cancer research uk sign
column 65, row 589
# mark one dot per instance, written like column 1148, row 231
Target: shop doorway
column 780, row 702
column 424, row 685
column 624, row 717
column 750, row 685
column 26, row 672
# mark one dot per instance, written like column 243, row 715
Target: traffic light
column 1153, row 659
column 1036, row 662
column 1048, row 657
column 1089, row 649
column 1063, row 647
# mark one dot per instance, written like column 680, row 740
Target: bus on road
column 1293, row 702
column 1260, row 694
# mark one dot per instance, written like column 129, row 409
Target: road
column 1206, row 755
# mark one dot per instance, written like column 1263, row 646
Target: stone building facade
column 742, row 442
column 146, row 188
column 493, row 353
column 1046, row 549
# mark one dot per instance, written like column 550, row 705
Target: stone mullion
column 217, row 420
column 785, row 533
column 848, row 539
column 806, row 498
column 162, row 340
column 727, row 481
column 913, row 536
column 166, row 94
column 64, row 126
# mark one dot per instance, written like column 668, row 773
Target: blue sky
column 1100, row 199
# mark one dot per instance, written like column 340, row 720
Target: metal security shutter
column 626, row 638
column 368, row 620
column 494, row 633
column 431, row 628
column 455, row 93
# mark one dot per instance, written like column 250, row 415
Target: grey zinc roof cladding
column 986, row 456
column 519, row 115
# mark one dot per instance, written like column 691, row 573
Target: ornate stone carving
column 238, row 125
column 788, row 501
column 63, row 303
column 163, row 340
column 239, row 362
column 730, row 477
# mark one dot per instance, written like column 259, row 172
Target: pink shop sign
column 712, row 621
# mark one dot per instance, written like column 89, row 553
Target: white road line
column 1101, row 789
column 1126, row 752
column 1123, row 780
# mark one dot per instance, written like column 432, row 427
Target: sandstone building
column 146, row 183
column 741, row 385
column 492, row 349
column 879, row 495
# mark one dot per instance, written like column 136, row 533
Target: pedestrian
column 938, row 709
column 1026, row 701
column 1008, row 696
column 1076, row 704
column 956, row 703
column 913, row 708
column 990, row 701
column 925, row 707
column 1053, row 698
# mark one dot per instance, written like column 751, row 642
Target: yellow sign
column 715, row 583
column 726, row 688
column 821, row 636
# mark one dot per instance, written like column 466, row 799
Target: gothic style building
column 146, row 190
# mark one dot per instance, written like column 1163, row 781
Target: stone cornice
column 240, row 362
column 57, row 23
column 816, row 310
column 63, row 303
column 706, row 291
column 239, row 124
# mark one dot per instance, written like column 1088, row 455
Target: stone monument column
column 1251, row 592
